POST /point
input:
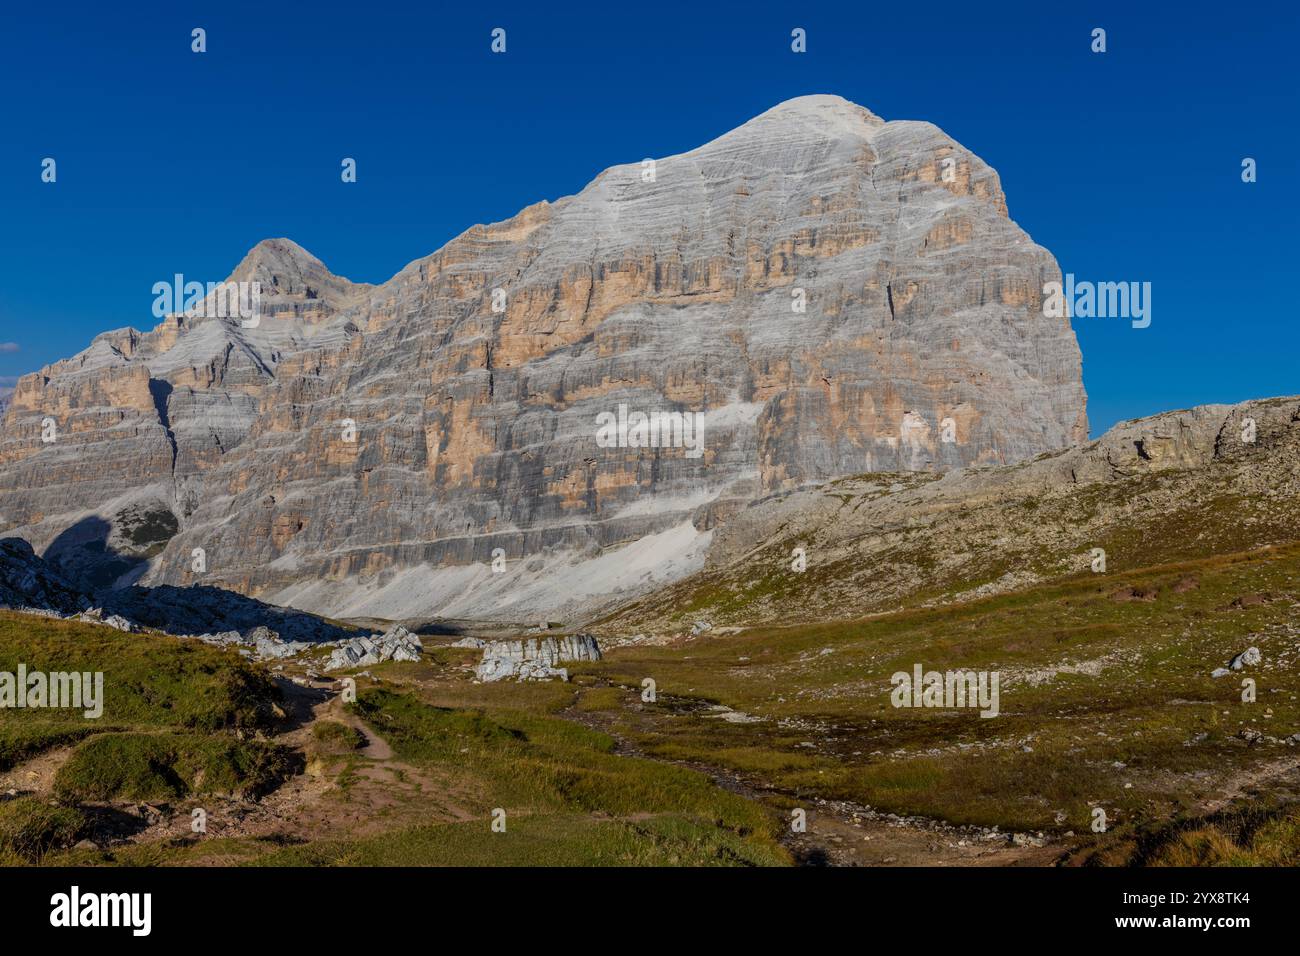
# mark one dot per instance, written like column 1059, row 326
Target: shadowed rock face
column 666, row 290
column 26, row 582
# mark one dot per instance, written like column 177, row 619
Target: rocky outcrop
column 96, row 615
column 817, row 293
column 395, row 644
column 535, row 658
column 27, row 582
column 259, row 643
column 1250, row 657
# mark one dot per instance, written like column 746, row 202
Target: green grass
column 170, row 766
column 568, row 799
column 597, row 699
column 1127, row 735
column 1245, row 839
column 1263, row 833
column 333, row 737
column 530, row 763
column 179, row 717
column 150, row 682
column 23, row 739
column 542, row 840
column 30, row 828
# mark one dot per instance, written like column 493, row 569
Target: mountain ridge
column 1179, row 486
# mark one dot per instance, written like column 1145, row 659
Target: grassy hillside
column 178, row 720
column 150, row 682
column 186, row 725
column 1106, row 701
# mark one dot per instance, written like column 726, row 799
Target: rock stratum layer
column 665, row 288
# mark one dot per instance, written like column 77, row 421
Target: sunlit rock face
column 817, row 293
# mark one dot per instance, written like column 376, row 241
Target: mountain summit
column 814, row 294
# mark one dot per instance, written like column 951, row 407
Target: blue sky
column 1126, row 165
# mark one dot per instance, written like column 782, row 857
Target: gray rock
column 396, row 644
column 535, row 658
column 1247, row 658
column 97, row 616
column 272, row 648
column 1024, row 839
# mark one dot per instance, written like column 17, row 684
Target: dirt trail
column 36, row 775
column 343, row 796
column 376, row 747
column 1250, row 780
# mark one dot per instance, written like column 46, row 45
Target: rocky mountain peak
column 285, row 269
column 827, row 111
column 816, row 293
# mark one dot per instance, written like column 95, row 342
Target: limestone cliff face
column 475, row 378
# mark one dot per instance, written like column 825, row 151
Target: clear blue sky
column 1125, row 165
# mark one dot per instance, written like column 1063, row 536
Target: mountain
column 476, row 380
